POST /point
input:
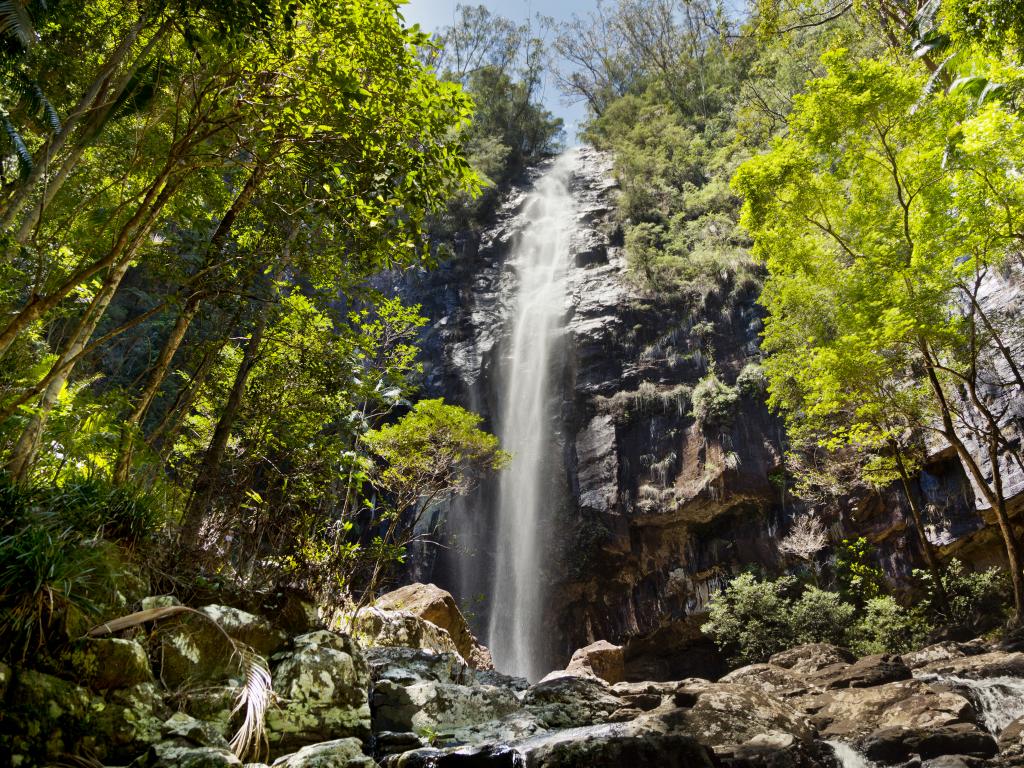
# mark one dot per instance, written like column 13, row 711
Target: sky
column 431, row 15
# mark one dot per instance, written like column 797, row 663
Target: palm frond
column 16, row 21
column 253, row 698
column 17, row 145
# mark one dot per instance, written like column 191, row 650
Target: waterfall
column 527, row 410
column 848, row 757
column 998, row 700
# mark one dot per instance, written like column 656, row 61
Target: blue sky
column 431, row 15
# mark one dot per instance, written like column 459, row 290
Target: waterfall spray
column 525, row 426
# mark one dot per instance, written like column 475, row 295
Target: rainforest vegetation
column 198, row 376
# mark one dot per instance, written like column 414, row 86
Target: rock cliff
column 654, row 511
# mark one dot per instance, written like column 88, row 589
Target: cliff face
column 652, row 511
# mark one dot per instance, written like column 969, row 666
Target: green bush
column 752, row 381
column 116, row 513
column 972, row 597
column 714, row 402
column 751, row 619
column 857, row 578
column 821, row 617
column 887, row 627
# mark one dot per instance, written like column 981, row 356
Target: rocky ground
column 410, row 687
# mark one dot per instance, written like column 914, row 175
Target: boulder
column 195, row 649
column 200, row 732
column 108, row 663
column 570, row 702
column 777, row 681
column 600, row 659
column 811, row 657
column 435, row 707
column 937, row 652
column 339, row 753
column 910, row 707
column 892, row 745
column 433, row 604
column 378, row 628
column 615, row 746
column 991, row 664
column 409, row 665
column 179, row 753
column 322, row 686
column 867, row 672
column 729, row 715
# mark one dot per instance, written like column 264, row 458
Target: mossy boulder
column 322, row 685
column 107, row 663
column 196, row 648
column 339, row 753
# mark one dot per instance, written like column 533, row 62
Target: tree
column 869, row 221
column 432, row 453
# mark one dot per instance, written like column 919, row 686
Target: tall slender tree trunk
column 131, row 424
column 206, row 478
column 167, row 429
column 994, row 497
column 51, row 148
column 97, row 117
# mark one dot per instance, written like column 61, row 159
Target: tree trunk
column 149, row 392
column 56, row 143
column 931, row 561
column 206, row 478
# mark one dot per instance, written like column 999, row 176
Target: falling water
column 525, row 427
column 848, row 757
column 998, row 700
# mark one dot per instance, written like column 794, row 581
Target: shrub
column 714, row 402
column 973, row 597
column 752, row 381
column 750, row 619
column 821, row 617
column 858, row 580
column 887, row 627
column 96, row 507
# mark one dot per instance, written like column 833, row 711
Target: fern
column 15, row 21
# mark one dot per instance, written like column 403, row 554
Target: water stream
column 848, row 757
column 540, row 258
column 997, row 700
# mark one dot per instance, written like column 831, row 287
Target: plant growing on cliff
column 714, row 401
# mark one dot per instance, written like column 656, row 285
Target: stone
column 407, row 665
column 194, row 649
column 395, row 742
column 728, row 715
column 891, row 745
column 379, row 628
column 322, row 686
column 777, row 681
column 937, row 652
column 179, row 753
column 108, row 663
column 569, row 702
column 201, row 732
column 600, row 659
column 811, row 657
column 866, row 672
column 991, row 664
column 909, row 706
column 339, row 753
column 436, row 707
column 158, row 601
column 435, row 605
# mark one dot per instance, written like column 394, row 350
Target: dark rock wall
column 654, row 512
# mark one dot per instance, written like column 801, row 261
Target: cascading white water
column 540, row 259
column 848, row 757
column 998, row 700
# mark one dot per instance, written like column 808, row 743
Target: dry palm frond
column 253, row 698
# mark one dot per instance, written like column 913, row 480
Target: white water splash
column 540, row 259
column 998, row 700
column 849, row 757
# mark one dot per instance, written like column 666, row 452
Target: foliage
column 805, row 538
column 887, row 627
column 858, row 579
column 751, row 619
column 972, row 598
column 752, row 381
column 714, row 402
